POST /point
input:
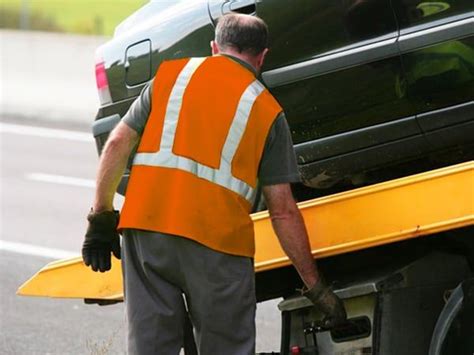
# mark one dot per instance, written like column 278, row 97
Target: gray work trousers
column 164, row 275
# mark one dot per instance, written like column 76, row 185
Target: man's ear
column 214, row 48
column 261, row 58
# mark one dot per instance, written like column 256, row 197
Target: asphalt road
column 48, row 75
column 46, row 190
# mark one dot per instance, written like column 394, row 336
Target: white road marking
column 60, row 179
column 46, row 132
column 35, row 250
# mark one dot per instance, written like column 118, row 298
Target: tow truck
column 399, row 253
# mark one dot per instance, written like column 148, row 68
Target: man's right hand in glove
column 327, row 303
column 101, row 240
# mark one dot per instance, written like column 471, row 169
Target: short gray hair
column 244, row 33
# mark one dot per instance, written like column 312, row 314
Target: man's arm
column 101, row 237
column 112, row 164
column 291, row 231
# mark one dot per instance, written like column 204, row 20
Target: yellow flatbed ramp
column 388, row 212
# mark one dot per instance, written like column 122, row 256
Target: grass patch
column 73, row 16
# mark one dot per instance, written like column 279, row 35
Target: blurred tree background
column 97, row 17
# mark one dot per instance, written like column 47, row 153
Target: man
column 207, row 131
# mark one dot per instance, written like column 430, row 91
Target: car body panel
column 440, row 75
column 181, row 30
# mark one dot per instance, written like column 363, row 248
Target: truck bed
column 382, row 214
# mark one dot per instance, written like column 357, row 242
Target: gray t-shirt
column 278, row 163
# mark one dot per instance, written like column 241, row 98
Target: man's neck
column 243, row 57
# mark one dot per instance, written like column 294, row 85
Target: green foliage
column 74, row 16
column 10, row 18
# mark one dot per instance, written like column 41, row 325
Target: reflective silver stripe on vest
column 167, row 159
column 175, row 101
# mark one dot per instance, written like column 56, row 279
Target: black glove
column 101, row 239
column 327, row 303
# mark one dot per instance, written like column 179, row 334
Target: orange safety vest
column 195, row 171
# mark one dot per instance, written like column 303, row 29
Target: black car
column 372, row 89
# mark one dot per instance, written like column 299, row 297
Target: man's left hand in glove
column 101, row 240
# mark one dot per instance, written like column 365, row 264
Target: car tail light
column 102, row 82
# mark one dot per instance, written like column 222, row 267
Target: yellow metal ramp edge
column 70, row 278
column 396, row 210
